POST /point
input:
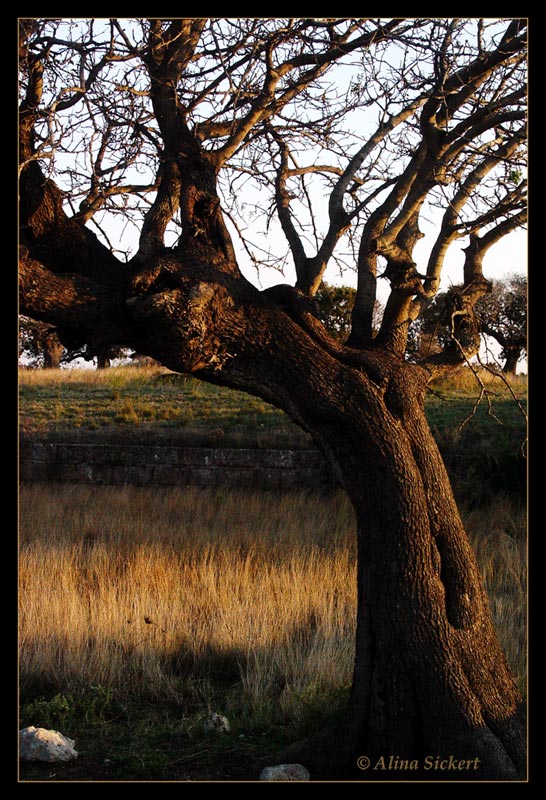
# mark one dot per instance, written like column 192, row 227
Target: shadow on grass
column 143, row 737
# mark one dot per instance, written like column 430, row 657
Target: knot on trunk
column 158, row 275
column 463, row 323
column 404, row 277
column 206, row 227
column 178, row 314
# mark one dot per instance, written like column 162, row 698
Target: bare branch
column 450, row 230
column 487, row 394
column 282, row 199
column 483, row 393
column 336, row 197
column 267, row 103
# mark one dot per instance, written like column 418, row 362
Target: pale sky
column 505, row 257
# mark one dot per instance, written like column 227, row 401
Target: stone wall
column 172, row 466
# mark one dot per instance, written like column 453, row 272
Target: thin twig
column 116, row 716
column 474, row 409
column 242, row 239
column 498, row 373
column 436, row 393
column 483, row 391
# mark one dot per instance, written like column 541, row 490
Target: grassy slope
column 151, row 402
column 145, row 404
column 483, row 452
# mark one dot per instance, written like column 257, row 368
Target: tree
column 503, row 316
column 39, row 344
column 174, row 127
column 333, row 307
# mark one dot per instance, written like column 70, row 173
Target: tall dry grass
column 147, row 590
column 154, row 592
column 471, row 380
column 115, row 376
column 498, row 535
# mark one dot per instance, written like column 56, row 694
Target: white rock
column 40, row 744
column 285, row 772
column 216, row 725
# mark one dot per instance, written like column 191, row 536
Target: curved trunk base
column 334, row 754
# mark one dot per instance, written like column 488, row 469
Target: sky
column 509, row 255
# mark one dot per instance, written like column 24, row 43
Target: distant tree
column 39, row 344
column 429, row 334
column 503, row 316
column 102, row 356
column 334, row 306
column 105, row 356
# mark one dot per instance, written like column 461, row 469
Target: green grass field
column 135, row 403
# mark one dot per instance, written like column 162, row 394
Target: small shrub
column 67, row 711
column 127, row 413
column 44, row 713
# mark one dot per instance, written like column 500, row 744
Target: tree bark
column 103, row 360
column 53, row 351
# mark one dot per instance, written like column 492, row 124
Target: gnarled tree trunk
column 430, row 678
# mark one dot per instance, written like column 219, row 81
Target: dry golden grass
column 498, row 534
column 140, row 589
column 114, row 376
column 147, row 591
column 492, row 378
